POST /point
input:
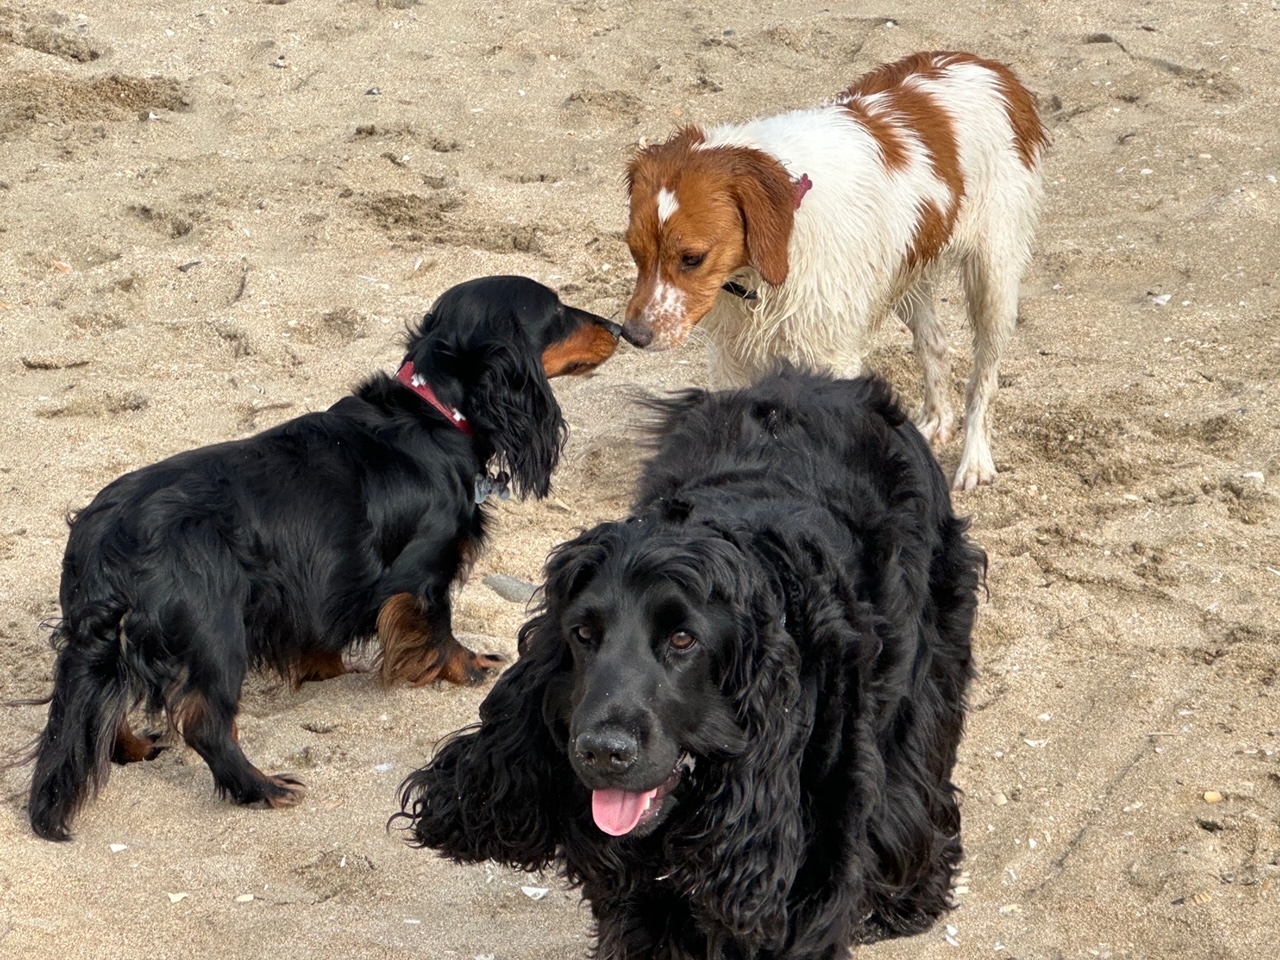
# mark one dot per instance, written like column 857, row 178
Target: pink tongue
column 618, row 811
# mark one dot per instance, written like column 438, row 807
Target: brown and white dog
column 792, row 236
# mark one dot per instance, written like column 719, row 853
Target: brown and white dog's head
column 698, row 215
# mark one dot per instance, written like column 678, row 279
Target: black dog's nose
column 636, row 334
column 611, row 751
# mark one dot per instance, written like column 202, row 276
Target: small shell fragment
column 244, row 898
column 1212, row 796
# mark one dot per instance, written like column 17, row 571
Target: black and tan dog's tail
column 86, row 714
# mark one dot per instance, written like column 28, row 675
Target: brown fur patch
column 318, row 665
column 131, row 748
column 188, row 713
column 410, row 654
column 893, row 148
column 901, row 106
column 1029, row 134
column 890, row 76
column 933, row 233
column 586, row 349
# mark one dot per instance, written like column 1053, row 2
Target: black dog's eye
column 691, row 261
column 682, row 640
column 583, row 632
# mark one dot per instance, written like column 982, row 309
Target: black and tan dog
column 284, row 549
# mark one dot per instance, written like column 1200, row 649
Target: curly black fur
column 181, row 576
column 790, row 606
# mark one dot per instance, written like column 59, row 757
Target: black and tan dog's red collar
column 423, row 389
column 486, row 486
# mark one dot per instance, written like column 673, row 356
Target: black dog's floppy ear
column 495, row 792
column 513, row 406
column 745, row 849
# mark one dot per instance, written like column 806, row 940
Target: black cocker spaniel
column 734, row 718
column 283, row 549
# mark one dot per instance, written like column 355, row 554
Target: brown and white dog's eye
column 691, row 261
column 583, row 632
column 682, row 640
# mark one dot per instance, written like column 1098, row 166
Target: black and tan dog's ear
column 513, row 406
column 496, row 792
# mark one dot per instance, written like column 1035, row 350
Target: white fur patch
column 667, row 205
column 666, row 314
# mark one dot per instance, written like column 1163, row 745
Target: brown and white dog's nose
column 637, row 334
column 607, row 751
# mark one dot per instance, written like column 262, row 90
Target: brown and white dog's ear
column 767, row 200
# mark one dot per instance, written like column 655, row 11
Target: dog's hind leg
column 996, row 249
column 89, row 701
column 991, row 291
column 318, row 665
column 918, row 309
column 204, row 711
column 131, row 748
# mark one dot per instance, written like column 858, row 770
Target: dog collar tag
column 487, row 486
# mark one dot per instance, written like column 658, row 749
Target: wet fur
column 804, row 523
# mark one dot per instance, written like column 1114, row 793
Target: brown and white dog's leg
column 991, row 291
column 929, row 340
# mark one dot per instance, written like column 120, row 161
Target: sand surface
column 215, row 217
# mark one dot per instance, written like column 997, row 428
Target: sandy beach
column 214, row 217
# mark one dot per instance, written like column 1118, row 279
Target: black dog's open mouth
column 619, row 812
